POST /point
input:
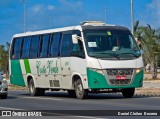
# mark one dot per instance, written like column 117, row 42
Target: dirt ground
column 148, row 91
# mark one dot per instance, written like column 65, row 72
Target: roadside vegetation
column 150, row 44
column 4, row 58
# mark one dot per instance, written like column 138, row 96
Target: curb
column 148, row 95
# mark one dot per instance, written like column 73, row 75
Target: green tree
column 4, row 58
column 150, row 45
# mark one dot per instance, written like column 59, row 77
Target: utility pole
column 105, row 15
column 24, row 2
column 156, row 19
column 132, row 16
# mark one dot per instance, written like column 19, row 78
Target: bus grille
column 114, row 72
column 120, row 82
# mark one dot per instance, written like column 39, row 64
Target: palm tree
column 4, row 58
column 150, row 45
column 137, row 30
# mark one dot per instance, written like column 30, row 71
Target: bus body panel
column 136, row 63
column 78, row 67
column 16, row 76
column 66, row 72
column 47, row 72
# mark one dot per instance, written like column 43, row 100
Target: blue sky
column 45, row 14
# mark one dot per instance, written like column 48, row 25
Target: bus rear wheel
column 81, row 93
column 128, row 92
column 35, row 91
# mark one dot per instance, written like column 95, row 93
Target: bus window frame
column 12, row 48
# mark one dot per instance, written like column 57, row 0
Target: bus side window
column 26, row 47
column 45, row 45
column 35, row 45
column 55, row 45
column 66, row 45
column 16, row 50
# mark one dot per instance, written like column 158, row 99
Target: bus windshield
column 111, row 44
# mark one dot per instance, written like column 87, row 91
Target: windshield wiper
column 129, row 53
column 112, row 54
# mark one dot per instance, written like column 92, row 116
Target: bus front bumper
column 99, row 81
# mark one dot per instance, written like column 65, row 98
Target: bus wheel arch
column 28, row 80
column 80, row 92
column 74, row 79
column 34, row 91
column 72, row 93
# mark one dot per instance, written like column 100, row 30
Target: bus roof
column 83, row 25
column 44, row 31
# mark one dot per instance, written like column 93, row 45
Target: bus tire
column 128, row 92
column 80, row 92
column 35, row 91
column 71, row 93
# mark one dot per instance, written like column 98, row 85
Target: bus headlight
column 139, row 70
column 100, row 71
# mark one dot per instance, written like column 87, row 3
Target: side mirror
column 75, row 39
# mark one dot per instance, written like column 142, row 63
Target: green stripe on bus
column 16, row 77
column 27, row 66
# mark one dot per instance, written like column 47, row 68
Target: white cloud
column 37, row 8
column 42, row 8
column 75, row 5
column 154, row 9
column 44, row 16
column 51, row 7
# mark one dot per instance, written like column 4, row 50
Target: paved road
column 60, row 101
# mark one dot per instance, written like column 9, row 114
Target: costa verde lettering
column 48, row 68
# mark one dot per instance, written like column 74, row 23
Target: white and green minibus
column 92, row 57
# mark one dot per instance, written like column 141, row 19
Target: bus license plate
column 121, row 78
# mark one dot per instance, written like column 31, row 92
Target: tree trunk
column 154, row 70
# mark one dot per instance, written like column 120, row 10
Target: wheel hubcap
column 79, row 90
column 31, row 87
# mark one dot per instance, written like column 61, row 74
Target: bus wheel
column 81, row 93
column 128, row 92
column 71, row 93
column 35, row 91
